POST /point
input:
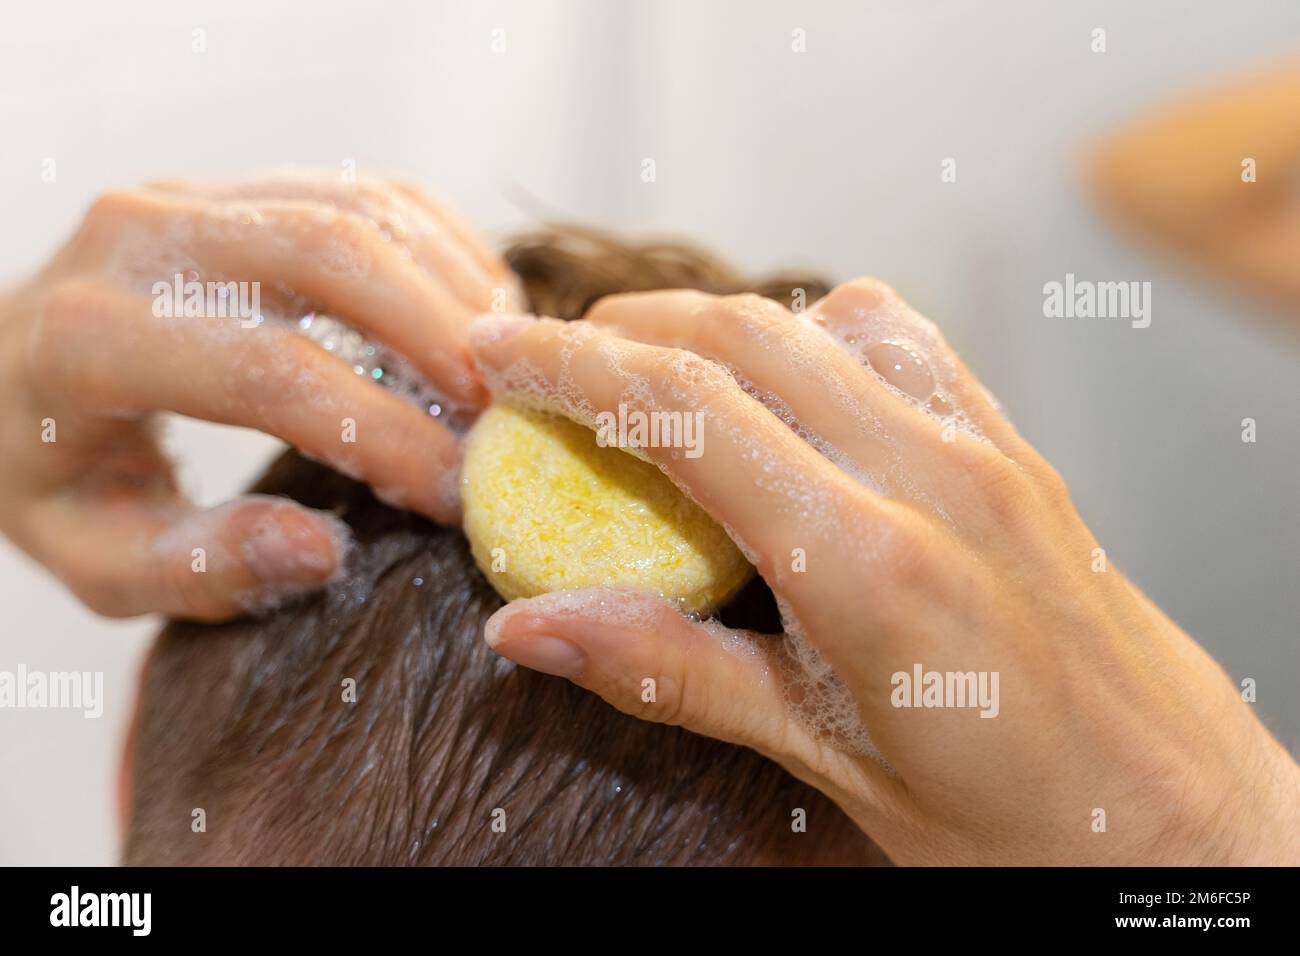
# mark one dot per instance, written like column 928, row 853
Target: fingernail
column 491, row 328
column 286, row 545
column 541, row 652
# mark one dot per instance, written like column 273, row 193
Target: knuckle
column 901, row 552
column 746, row 317
column 345, row 242
column 871, row 285
column 606, row 309
column 668, row 704
column 113, row 208
column 613, row 307
column 999, row 486
column 372, row 187
column 866, row 294
column 671, row 705
column 691, row 372
column 380, row 201
column 62, row 316
column 1047, row 480
column 741, row 303
column 749, row 311
column 408, row 186
column 70, row 300
column 60, row 362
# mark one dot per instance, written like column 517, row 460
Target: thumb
column 636, row 651
column 640, row 654
column 205, row 564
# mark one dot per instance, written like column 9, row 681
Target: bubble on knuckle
column 688, row 370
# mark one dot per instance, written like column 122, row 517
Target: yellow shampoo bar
column 547, row 508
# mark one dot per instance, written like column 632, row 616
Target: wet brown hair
column 247, row 720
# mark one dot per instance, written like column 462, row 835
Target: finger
column 467, row 234
column 639, row 654
column 396, row 218
column 770, row 489
column 881, row 425
column 874, row 325
column 104, row 350
column 333, row 259
column 799, row 374
column 796, row 517
column 134, row 556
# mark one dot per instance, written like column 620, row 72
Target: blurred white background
column 827, row 159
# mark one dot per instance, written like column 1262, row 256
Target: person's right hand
column 903, row 525
column 85, row 364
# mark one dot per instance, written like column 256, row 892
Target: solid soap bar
column 547, row 508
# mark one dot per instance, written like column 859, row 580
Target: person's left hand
column 87, row 360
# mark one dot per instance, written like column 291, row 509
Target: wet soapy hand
column 100, row 340
column 961, row 670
